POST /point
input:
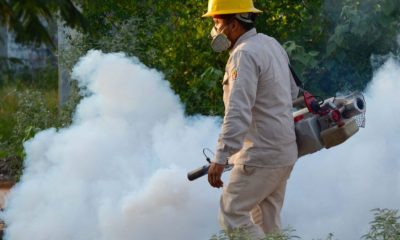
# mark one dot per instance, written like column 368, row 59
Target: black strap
column 296, row 78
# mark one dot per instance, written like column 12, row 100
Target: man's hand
column 214, row 175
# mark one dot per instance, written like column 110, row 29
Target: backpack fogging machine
column 318, row 123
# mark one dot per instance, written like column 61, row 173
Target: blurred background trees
column 31, row 21
column 330, row 44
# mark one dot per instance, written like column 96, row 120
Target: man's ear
column 235, row 25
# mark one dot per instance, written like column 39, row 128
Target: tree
column 30, row 20
column 173, row 37
column 329, row 42
column 353, row 32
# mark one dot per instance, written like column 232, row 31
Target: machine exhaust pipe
column 354, row 107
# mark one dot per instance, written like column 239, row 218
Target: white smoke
column 119, row 172
column 334, row 190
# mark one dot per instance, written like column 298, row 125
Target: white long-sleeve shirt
column 258, row 127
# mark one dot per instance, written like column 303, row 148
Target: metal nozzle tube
column 197, row 173
column 354, row 108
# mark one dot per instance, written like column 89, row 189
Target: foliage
column 31, row 20
column 235, row 235
column 385, row 226
column 330, row 236
column 300, row 56
column 29, row 114
column 8, row 105
column 241, row 234
column 354, row 30
column 28, row 105
column 329, row 42
column 175, row 41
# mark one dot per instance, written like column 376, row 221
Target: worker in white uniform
column 257, row 133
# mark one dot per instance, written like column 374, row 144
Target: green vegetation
column 330, row 43
column 33, row 21
column 28, row 105
column 239, row 234
column 385, row 226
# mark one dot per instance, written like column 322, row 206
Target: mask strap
column 244, row 17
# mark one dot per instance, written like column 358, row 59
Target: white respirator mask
column 220, row 41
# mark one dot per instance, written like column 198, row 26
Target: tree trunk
column 64, row 87
column 3, row 42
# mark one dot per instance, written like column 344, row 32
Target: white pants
column 253, row 199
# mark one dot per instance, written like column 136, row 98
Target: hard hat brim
column 231, row 11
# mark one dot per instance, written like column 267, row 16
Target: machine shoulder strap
column 299, row 83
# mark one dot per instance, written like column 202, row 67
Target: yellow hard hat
column 220, row 7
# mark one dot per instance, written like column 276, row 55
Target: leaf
column 313, row 53
column 290, row 46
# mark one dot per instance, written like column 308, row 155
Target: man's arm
column 238, row 115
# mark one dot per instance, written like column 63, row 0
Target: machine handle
column 199, row 172
column 299, row 102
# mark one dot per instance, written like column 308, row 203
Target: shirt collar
column 252, row 32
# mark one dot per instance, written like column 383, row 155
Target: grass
column 8, row 106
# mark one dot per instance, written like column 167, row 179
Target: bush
column 241, row 234
column 29, row 111
column 28, row 104
column 385, row 226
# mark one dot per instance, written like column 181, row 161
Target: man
column 258, row 130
